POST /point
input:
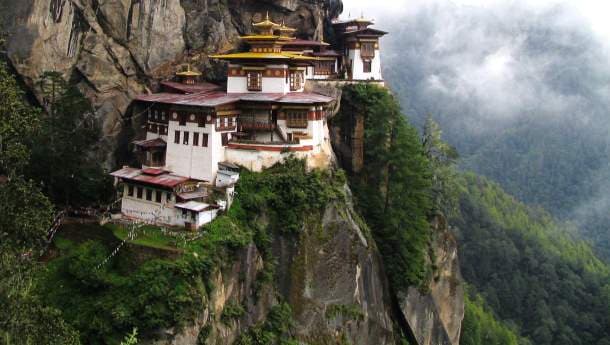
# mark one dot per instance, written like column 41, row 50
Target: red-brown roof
column 331, row 53
column 367, row 31
column 204, row 99
column 148, row 144
column 164, row 180
column 216, row 98
column 153, row 171
column 183, row 88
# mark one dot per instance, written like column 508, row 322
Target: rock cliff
column 331, row 275
column 436, row 316
column 116, row 49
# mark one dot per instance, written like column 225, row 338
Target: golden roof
column 266, row 24
column 265, row 38
column 286, row 29
column 264, row 56
column 189, row 72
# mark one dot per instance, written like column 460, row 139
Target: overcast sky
column 596, row 11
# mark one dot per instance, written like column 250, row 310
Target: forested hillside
column 522, row 93
column 530, row 271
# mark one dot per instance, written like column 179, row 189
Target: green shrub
column 232, row 311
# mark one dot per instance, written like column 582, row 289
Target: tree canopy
column 393, row 188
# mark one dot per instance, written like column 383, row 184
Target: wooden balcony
column 257, row 126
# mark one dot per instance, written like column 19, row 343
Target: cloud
column 595, row 11
column 521, row 88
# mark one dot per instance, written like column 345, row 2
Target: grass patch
column 147, row 236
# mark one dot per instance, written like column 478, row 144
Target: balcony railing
column 257, row 142
column 259, row 126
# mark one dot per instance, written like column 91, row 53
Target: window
column 130, row 190
column 367, row 49
column 367, row 66
column 230, row 124
column 204, row 140
column 177, row 137
column 186, row 138
column 195, row 139
column 297, row 119
column 140, row 192
column 201, row 120
column 225, row 139
column 182, row 119
column 149, row 194
column 158, row 197
column 296, row 81
column 168, row 197
column 255, row 82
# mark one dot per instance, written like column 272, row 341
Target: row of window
column 156, row 115
column 157, row 129
column 254, row 80
column 197, row 138
column 147, row 194
column 186, row 138
column 324, row 67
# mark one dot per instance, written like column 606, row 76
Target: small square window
column 367, row 66
column 140, row 192
column 204, row 140
column 186, row 138
column 225, row 139
column 149, row 193
column 158, row 197
column 195, row 139
column 255, row 82
column 177, row 137
column 129, row 190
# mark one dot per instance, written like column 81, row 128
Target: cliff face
column 116, row 49
column 436, row 316
column 433, row 317
column 331, row 276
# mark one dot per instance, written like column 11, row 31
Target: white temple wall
column 358, row 66
column 275, row 85
column 149, row 211
column 237, row 84
column 196, row 162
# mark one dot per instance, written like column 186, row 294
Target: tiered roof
column 270, row 34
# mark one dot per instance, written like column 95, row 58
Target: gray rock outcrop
column 435, row 317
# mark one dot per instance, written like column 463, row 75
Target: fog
column 521, row 88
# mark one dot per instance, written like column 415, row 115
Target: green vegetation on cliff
column 480, row 327
column 392, row 190
column 529, row 270
column 106, row 303
column 25, row 215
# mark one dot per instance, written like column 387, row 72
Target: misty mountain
column 523, row 95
